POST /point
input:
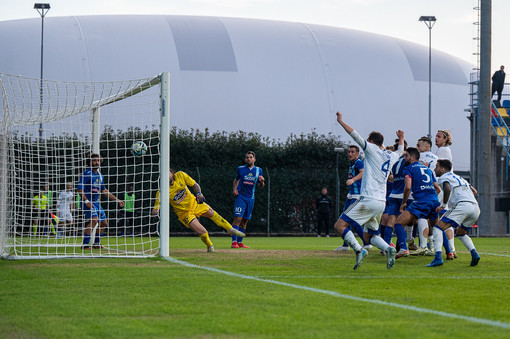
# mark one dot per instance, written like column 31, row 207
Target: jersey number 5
column 424, row 173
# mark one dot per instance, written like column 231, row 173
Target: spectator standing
column 498, row 81
column 128, row 212
column 39, row 204
column 65, row 207
column 323, row 205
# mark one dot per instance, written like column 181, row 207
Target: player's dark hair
column 376, row 137
column 355, row 147
column 93, row 156
column 397, row 141
column 426, row 140
column 413, row 152
column 251, row 152
column 445, row 163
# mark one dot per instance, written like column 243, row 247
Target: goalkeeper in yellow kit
column 189, row 207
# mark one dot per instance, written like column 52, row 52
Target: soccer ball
column 139, row 148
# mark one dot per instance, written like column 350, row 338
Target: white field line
column 376, row 277
column 496, row 254
column 493, row 323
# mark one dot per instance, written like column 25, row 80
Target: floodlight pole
column 42, row 9
column 429, row 22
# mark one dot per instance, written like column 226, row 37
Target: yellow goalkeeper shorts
column 187, row 216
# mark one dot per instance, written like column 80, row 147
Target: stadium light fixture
column 42, row 9
column 429, row 22
column 337, row 150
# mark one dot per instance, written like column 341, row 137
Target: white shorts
column 463, row 213
column 65, row 215
column 365, row 212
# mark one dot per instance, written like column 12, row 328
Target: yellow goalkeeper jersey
column 181, row 198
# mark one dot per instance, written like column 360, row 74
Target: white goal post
column 48, row 130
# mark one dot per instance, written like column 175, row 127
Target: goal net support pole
column 165, row 165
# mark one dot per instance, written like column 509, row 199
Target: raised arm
column 400, row 135
column 346, row 127
column 352, row 132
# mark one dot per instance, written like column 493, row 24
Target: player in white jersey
column 427, row 158
column 463, row 212
column 368, row 209
column 65, row 206
column 443, row 141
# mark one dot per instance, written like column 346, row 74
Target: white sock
column 466, row 240
column 423, row 226
column 379, row 242
column 438, row 239
column 450, row 234
column 351, row 241
column 409, row 231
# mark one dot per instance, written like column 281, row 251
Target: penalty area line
column 493, row 323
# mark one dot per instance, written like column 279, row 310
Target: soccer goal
column 48, row 131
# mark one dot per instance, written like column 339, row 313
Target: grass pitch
column 280, row 288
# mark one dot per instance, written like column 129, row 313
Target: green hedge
column 295, row 171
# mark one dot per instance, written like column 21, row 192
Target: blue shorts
column 394, row 205
column 387, row 206
column 243, row 207
column 424, row 209
column 95, row 212
column 348, row 202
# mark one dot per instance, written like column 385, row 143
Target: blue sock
column 438, row 255
column 86, row 239
column 401, row 236
column 446, row 245
column 234, row 237
column 240, row 239
column 97, row 239
column 388, row 234
column 359, row 231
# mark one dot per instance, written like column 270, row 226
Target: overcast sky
column 453, row 32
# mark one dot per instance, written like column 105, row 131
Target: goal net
column 48, row 131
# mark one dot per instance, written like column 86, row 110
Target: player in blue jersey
column 354, row 180
column 419, row 180
column 245, row 183
column 90, row 187
column 395, row 201
column 462, row 213
column 429, row 159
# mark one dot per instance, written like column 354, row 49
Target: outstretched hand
column 339, row 117
column 400, row 134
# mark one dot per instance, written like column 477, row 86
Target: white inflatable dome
column 270, row 77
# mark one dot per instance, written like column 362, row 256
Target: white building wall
column 273, row 78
